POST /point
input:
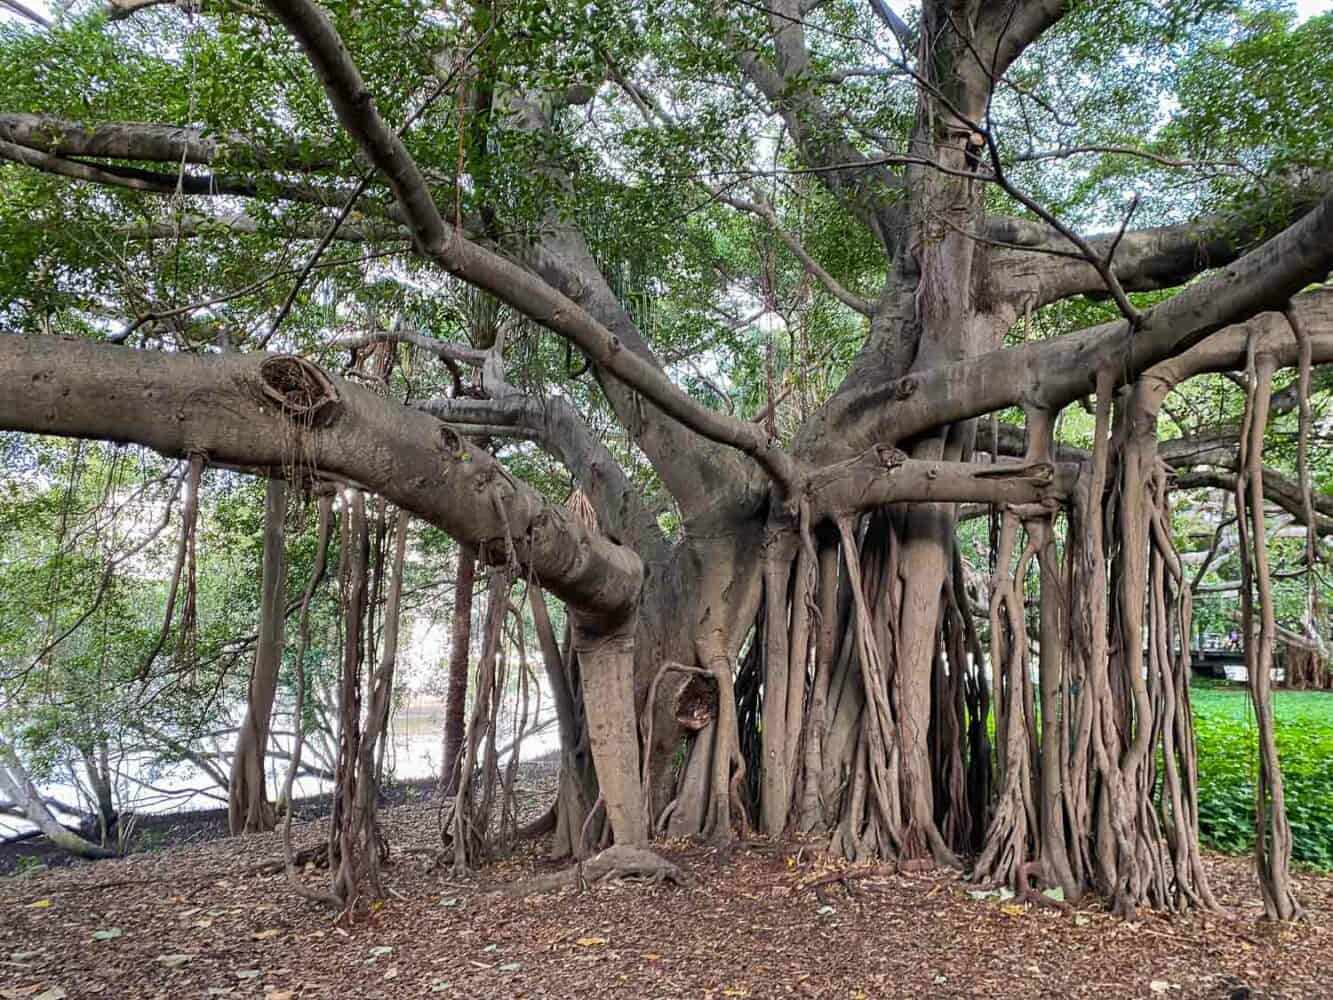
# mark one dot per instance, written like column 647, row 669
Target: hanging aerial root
column 465, row 825
column 1307, row 668
column 185, row 548
column 873, row 820
column 1272, row 833
column 1010, row 849
column 293, row 861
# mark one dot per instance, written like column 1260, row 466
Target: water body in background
column 413, row 754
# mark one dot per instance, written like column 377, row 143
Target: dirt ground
column 198, row 921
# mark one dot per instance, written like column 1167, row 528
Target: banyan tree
column 772, row 624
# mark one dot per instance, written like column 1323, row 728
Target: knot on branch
column 695, row 704
column 904, row 387
column 451, row 443
column 889, row 457
column 299, row 388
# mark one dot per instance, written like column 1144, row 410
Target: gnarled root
column 617, row 862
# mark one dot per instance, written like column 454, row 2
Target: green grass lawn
column 1229, row 763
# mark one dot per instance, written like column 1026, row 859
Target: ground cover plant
column 1224, row 729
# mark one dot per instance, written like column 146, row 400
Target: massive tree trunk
column 248, row 807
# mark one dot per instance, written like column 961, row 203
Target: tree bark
column 248, row 807
column 460, row 648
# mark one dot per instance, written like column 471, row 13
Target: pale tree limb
column 26, row 12
column 153, row 143
column 19, row 789
column 241, row 410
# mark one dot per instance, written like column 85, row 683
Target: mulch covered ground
column 200, row 922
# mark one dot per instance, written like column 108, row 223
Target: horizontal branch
column 885, row 475
column 160, row 182
column 1278, row 489
column 1225, row 350
column 442, row 349
column 276, row 412
column 195, row 226
column 1032, row 270
column 153, row 143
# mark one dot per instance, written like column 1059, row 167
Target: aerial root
column 616, row 862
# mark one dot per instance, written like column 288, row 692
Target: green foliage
column 1228, row 769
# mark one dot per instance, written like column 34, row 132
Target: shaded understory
column 765, row 921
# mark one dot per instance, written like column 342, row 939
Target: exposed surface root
column 617, row 862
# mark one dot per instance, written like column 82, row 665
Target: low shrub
column 1229, row 766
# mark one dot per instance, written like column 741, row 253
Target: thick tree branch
column 235, row 410
column 1053, row 373
column 153, row 143
column 1145, row 259
column 159, row 182
column 498, row 275
column 1008, row 29
column 901, row 31
column 885, row 475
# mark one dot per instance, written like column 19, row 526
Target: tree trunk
column 20, row 790
column 248, row 808
column 460, row 647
